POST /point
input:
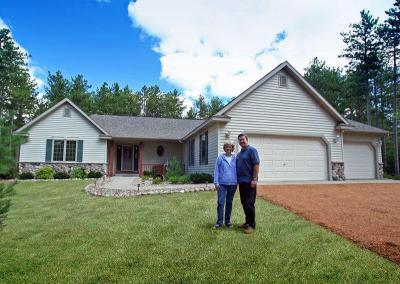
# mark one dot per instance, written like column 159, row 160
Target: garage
column 291, row 158
column 359, row 160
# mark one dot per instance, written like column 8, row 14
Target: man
column 247, row 167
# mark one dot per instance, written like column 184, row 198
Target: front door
column 127, row 158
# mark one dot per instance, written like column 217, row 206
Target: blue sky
column 209, row 47
column 84, row 37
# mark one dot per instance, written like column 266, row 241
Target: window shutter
column 80, row 151
column 49, row 145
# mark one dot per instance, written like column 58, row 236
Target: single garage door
column 359, row 160
column 291, row 158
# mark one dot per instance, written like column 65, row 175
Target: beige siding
column 56, row 126
column 171, row 149
column 281, row 110
column 212, row 152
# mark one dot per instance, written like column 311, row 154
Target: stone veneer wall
column 380, row 172
column 62, row 167
column 338, row 171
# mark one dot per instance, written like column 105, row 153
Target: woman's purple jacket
column 225, row 173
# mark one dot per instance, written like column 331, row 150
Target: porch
column 133, row 157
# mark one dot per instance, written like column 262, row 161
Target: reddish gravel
column 368, row 214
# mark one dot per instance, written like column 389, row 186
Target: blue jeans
column 225, row 193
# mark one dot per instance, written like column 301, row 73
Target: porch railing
column 158, row 169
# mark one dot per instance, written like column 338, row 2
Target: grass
column 54, row 232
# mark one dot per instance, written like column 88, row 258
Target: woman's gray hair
column 229, row 144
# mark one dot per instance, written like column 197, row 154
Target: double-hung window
column 64, row 150
column 191, row 152
column 203, row 149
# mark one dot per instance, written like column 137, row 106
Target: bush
column 201, row 178
column 78, row 173
column 173, row 169
column 179, row 179
column 157, row 180
column 148, row 174
column 26, row 175
column 44, row 173
column 61, row 175
column 94, row 174
column 389, row 176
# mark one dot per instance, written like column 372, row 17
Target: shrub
column 184, row 180
column 148, row 173
column 26, row 175
column 78, row 173
column 94, row 174
column 173, row 179
column 179, row 179
column 44, row 173
column 174, row 168
column 201, row 178
column 61, row 175
column 157, row 180
column 144, row 178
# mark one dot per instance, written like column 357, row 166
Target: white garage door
column 359, row 160
column 290, row 158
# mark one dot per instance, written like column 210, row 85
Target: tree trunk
column 376, row 104
column 395, row 138
column 383, row 102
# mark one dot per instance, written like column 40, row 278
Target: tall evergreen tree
column 390, row 34
column 172, row 105
column 58, row 88
column 17, row 88
column 215, row 105
column 363, row 52
column 79, row 93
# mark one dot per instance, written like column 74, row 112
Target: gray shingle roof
column 356, row 126
column 145, row 127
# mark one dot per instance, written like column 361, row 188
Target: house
column 298, row 134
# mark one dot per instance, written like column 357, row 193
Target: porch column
column 111, row 157
column 141, row 155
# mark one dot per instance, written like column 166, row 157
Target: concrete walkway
column 122, row 182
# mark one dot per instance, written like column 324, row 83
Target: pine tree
column 390, row 35
column 58, row 88
column 363, row 52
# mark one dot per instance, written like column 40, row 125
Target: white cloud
column 221, row 47
column 33, row 68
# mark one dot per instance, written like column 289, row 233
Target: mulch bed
column 367, row 214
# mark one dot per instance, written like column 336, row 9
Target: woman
column 225, row 182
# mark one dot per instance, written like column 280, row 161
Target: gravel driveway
column 368, row 213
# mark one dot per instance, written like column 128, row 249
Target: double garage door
column 359, row 160
column 291, row 158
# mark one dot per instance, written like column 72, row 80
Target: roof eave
column 211, row 120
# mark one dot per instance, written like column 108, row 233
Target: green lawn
column 55, row 232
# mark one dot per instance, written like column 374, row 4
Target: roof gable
column 298, row 78
column 54, row 108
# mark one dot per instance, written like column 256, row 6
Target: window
column 65, row 150
column 282, row 81
column 191, row 153
column 58, row 150
column 67, row 112
column 203, row 148
column 70, row 151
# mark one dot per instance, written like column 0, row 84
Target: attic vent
column 282, row 81
column 67, row 112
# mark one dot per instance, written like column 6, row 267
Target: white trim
column 324, row 103
column 53, row 108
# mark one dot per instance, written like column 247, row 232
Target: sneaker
column 249, row 230
column 217, row 226
column 229, row 225
column 243, row 226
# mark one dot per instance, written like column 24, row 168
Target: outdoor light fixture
column 336, row 139
column 138, row 186
column 227, row 134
